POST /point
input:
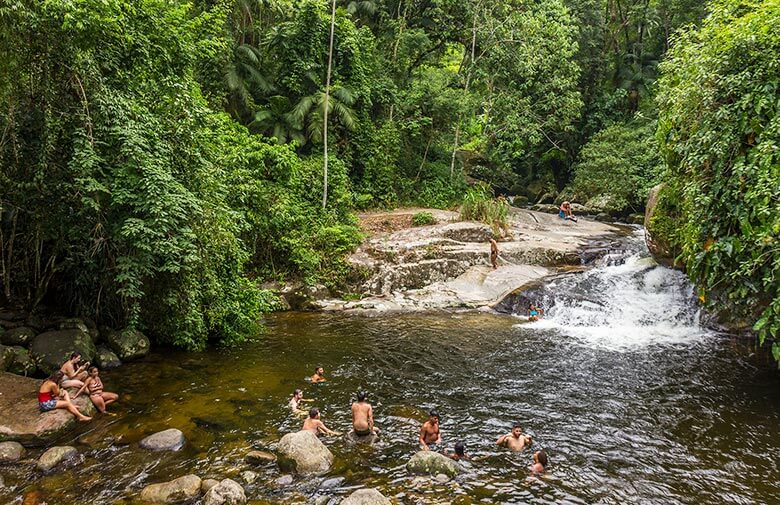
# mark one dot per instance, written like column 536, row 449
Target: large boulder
column 74, row 323
column 54, row 347
column 305, row 298
column 178, row 490
column 11, row 452
column 55, row 456
column 227, row 492
column 167, row 440
column 368, row 496
column 20, row 419
column 17, row 336
column 128, row 344
column 302, row 452
column 105, row 358
column 432, row 463
column 19, row 361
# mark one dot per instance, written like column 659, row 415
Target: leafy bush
column 423, row 219
column 719, row 129
column 479, row 205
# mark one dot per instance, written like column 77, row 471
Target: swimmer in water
column 515, row 440
column 534, row 312
column 430, row 433
column 315, row 425
column 540, row 463
column 319, row 375
column 295, row 402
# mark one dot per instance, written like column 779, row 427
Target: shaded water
column 632, row 406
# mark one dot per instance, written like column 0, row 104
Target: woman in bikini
column 101, row 399
column 49, row 397
column 74, row 377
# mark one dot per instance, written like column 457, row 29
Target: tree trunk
column 327, row 106
column 468, row 80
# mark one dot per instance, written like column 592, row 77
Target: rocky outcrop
column 106, row 359
column 21, row 420
column 167, row 440
column 368, row 496
column 178, row 490
column 227, row 492
column 302, row 452
column 305, row 298
column 56, row 456
column 17, row 336
column 658, row 246
column 432, row 463
column 128, row 344
column 11, row 452
column 54, row 347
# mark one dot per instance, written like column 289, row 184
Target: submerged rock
column 21, row 420
column 284, row 480
column 54, row 347
column 178, row 490
column 249, row 476
column 128, row 344
column 17, row 336
column 167, row 440
column 432, row 463
column 55, row 456
column 11, row 452
column 302, row 452
column 227, row 492
column 259, row 457
column 368, row 496
column 106, row 359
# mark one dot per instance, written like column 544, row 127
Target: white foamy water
column 626, row 302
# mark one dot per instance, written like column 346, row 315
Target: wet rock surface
column 227, row 492
column 366, row 497
column 56, row 456
column 178, row 490
column 303, row 453
column 54, row 347
column 11, row 452
column 167, row 440
column 432, row 463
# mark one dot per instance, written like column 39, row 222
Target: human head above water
column 298, row 393
column 434, row 415
column 361, row 396
column 319, row 370
column 517, row 429
column 541, row 458
column 314, row 413
column 460, row 448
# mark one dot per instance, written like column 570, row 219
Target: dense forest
column 161, row 158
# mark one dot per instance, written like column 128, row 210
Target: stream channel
column 632, row 398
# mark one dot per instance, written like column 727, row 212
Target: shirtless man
column 319, row 375
column 430, row 433
column 363, row 417
column 494, row 253
column 313, row 424
column 74, row 377
column 295, row 402
column 515, row 440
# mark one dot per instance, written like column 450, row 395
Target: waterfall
column 625, row 301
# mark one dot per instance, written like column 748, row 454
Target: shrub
column 423, row 219
column 479, row 205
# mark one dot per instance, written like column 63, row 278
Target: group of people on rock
column 430, row 438
column 53, row 392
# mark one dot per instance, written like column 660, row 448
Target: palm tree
column 310, row 113
column 275, row 120
column 245, row 81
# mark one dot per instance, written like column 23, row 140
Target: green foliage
column 479, row 205
column 423, row 219
column 719, row 131
column 617, row 167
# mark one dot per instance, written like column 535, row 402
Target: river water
column 632, row 399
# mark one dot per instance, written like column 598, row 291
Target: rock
column 167, row 440
column 259, row 457
column 546, row 208
column 303, row 452
column 128, row 344
column 305, row 298
column 55, row 456
column 603, row 217
column 23, row 422
column 658, row 245
column 227, row 492
column 19, row 361
column 332, row 483
column 635, row 219
column 249, row 476
column 2, row 483
column 105, row 358
column 73, row 323
column 54, row 347
column 284, row 480
column 442, row 478
column 178, row 490
column 207, row 484
column 11, row 452
column 368, row 496
column 94, row 333
column 369, row 439
column 467, row 231
column 432, row 463
column 17, row 336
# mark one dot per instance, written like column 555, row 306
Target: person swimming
column 515, row 440
column 540, row 462
column 315, row 425
column 460, row 452
column 534, row 312
column 295, row 402
column 319, row 375
column 430, row 434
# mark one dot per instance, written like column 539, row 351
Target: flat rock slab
column 21, row 421
column 56, row 455
column 368, row 496
column 167, row 440
column 227, row 492
column 178, row 490
column 11, row 452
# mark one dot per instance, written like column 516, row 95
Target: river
column 632, row 399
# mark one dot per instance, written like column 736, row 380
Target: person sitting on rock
column 534, row 312
column 540, row 462
column 319, row 375
column 101, row 399
column 74, row 377
column 430, row 433
column 295, row 402
column 565, row 212
column 315, row 425
column 363, row 417
column 515, row 440
column 494, row 254
column 49, row 395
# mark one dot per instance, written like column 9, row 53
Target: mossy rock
column 128, row 344
column 19, row 361
column 54, row 347
column 17, row 336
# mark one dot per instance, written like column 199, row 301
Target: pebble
column 284, row 480
column 249, row 476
